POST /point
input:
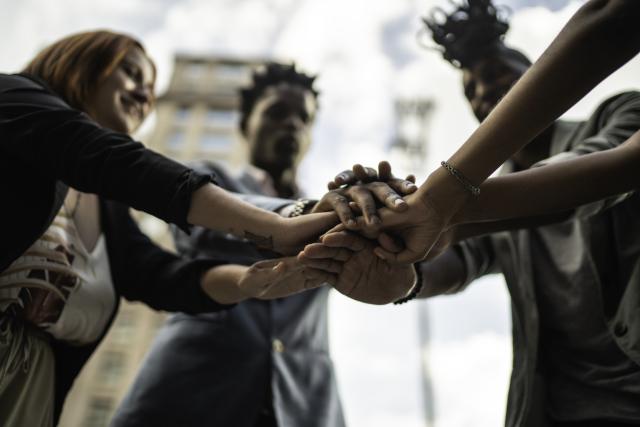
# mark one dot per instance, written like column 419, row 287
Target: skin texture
column 279, row 132
column 125, row 98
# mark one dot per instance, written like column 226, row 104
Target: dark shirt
column 46, row 146
column 575, row 292
column 228, row 368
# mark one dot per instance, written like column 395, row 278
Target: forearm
column 598, row 39
column 442, row 275
column 557, row 187
column 216, row 209
column 476, row 229
column 220, row 283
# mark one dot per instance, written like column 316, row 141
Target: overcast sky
column 367, row 55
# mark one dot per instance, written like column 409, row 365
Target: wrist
column 417, row 286
column 221, row 283
column 443, row 193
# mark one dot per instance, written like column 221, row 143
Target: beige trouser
column 26, row 376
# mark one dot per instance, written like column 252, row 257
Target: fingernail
column 379, row 255
column 399, row 202
column 375, row 221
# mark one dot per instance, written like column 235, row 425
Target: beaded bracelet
column 460, row 177
column 300, row 207
column 416, row 288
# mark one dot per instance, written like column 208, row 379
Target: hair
column 74, row 65
column 474, row 30
column 271, row 74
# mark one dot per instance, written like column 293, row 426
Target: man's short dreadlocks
column 474, row 30
column 271, row 74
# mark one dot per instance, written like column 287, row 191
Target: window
column 235, row 73
column 195, row 71
column 227, row 119
column 124, row 327
column 98, row 412
column 212, row 142
column 111, row 367
column 182, row 115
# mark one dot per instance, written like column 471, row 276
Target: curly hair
column 474, row 30
column 271, row 74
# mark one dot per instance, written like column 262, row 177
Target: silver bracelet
column 474, row 190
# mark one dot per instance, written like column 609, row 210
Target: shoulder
column 28, row 89
column 621, row 101
column 208, row 166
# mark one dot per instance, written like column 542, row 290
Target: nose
column 142, row 95
column 293, row 122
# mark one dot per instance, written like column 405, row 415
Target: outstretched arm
column 598, row 39
column 558, row 186
column 269, row 279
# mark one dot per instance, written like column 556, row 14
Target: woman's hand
column 268, row 279
column 277, row 278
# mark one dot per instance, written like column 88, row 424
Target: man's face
column 488, row 80
column 279, row 128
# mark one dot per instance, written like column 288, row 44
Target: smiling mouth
column 132, row 107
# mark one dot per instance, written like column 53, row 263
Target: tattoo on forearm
column 265, row 242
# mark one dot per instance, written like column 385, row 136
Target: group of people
column 248, row 346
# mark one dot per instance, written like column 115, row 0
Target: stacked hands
column 381, row 226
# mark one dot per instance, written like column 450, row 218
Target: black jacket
column 45, row 146
column 140, row 271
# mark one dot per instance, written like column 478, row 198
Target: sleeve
column 59, row 142
column 144, row 272
column 478, row 257
column 615, row 121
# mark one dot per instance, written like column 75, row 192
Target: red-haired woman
column 68, row 173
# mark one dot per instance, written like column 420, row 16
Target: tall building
column 196, row 118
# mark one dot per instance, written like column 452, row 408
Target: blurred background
column 445, row 362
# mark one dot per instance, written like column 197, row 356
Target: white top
column 60, row 286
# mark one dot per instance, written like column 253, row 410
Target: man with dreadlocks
column 572, row 364
column 263, row 363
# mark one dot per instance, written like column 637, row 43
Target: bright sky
column 367, row 55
